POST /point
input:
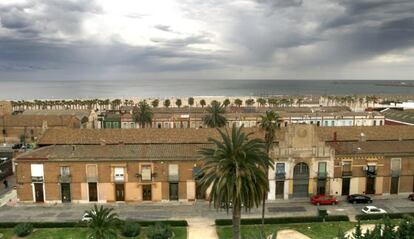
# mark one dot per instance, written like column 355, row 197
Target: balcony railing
column 173, row 178
column 371, row 173
column 67, row 178
column 395, row 173
column 280, row 175
column 37, row 178
column 119, row 178
column 346, row 173
column 92, row 179
column 322, row 175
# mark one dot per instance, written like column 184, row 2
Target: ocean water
column 58, row 89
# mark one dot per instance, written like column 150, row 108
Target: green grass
column 315, row 230
column 79, row 233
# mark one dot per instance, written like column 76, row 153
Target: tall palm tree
column 155, row 103
column 249, row 102
column 167, row 103
column 226, row 102
column 190, row 101
column 143, row 114
column 234, row 168
column 178, row 103
column 202, row 103
column 215, row 117
column 268, row 123
column 238, row 102
column 102, row 223
column 261, row 102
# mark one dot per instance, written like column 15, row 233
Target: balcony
column 173, row 178
column 280, row 175
column 67, row 178
column 346, row 173
column 36, row 179
column 322, row 175
column 92, row 179
column 370, row 173
column 119, row 178
column 395, row 173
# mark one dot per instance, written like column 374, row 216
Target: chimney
column 334, row 137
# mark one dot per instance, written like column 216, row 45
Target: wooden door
column 39, row 192
column 93, row 192
column 345, row 186
column 173, row 191
column 146, row 193
column 370, row 187
column 394, row 185
column 65, row 192
column 119, row 192
column 280, row 189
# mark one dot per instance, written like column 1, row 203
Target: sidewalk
column 201, row 228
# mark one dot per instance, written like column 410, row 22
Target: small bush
column 130, row 229
column 159, row 231
column 282, row 220
column 23, row 229
column 381, row 216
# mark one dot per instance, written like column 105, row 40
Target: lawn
column 313, row 230
column 79, row 233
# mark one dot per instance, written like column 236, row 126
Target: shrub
column 159, row 231
column 381, row 216
column 283, row 220
column 130, row 229
column 23, row 229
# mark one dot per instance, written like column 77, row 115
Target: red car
column 323, row 200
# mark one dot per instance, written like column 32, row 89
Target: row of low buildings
column 137, row 165
column 247, row 116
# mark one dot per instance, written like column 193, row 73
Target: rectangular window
column 280, row 168
column 332, row 123
column 173, row 172
column 119, row 174
column 37, row 172
column 346, row 166
column 65, row 171
column 322, row 167
column 395, row 164
column 146, row 173
column 91, row 173
column 115, row 124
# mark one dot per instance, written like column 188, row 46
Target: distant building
column 398, row 117
column 5, row 108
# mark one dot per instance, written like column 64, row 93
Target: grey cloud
column 281, row 3
column 163, row 28
column 181, row 42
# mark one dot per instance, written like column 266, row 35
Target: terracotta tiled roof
column 79, row 113
column 373, row 147
column 131, row 136
column 387, row 132
column 114, row 152
column 37, row 120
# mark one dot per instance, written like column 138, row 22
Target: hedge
column 283, row 220
column 380, row 216
column 173, row 223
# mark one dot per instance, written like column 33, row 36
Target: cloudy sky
column 206, row 39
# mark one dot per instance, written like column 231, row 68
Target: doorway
column 93, row 192
column 280, row 185
column 39, row 196
column 65, row 192
column 119, row 192
column 146, row 193
column 300, row 180
column 173, row 191
column 394, row 185
column 346, row 182
column 370, row 187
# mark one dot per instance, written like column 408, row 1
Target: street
column 186, row 210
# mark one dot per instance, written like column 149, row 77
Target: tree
column 155, row 103
column 249, row 102
column 268, row 123
column 202, row 103
column 226, row 102
column 238, row 102
column 143, row 114
column 299, row 102
column 178, row 103
column 214, row 117
column 191, row 101
column 102, row 223
column 234, row 167
column 167, row 103
column 261, row 102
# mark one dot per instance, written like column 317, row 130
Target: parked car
column 358, row 198
column 373, row 210
column 411, row 197
column 17, row 146
column 323, row 200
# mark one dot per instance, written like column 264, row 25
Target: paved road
column 199, row 209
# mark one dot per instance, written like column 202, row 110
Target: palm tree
column 299, row 102
column 102, row 223
column 191, row 101
column 226, row 102
column 202, row 103
column 143, row 114
column 167, row 103
column 215, row 118
column 249, row 102
column 235, row 168
column 268, row 123
column 155, row 103
column 238, row 102
column 261, row 102
column 178, row 103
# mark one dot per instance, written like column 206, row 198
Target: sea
column 124, row 89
